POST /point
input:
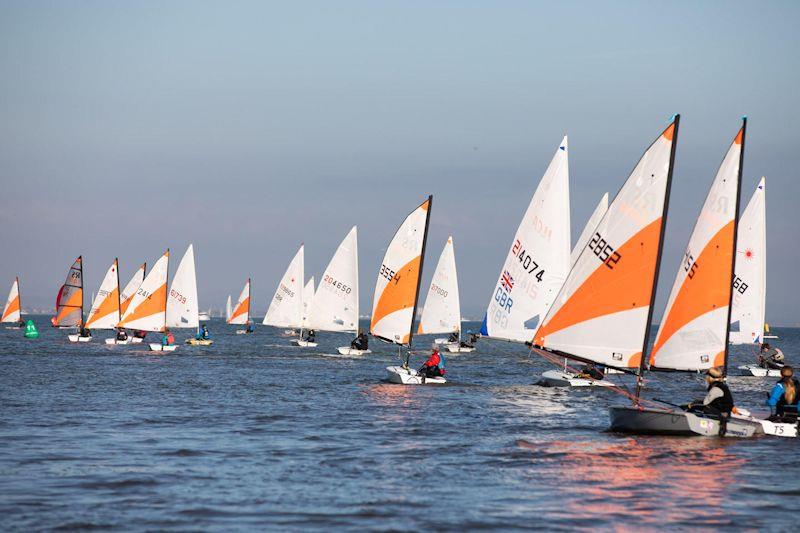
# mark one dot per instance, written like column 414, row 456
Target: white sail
column 601, row 312
column 104, row 313
column 693, row 334
column 397, row 287
column 228, row 309
column 588, row 230
column 308, row 297
column 335, row 303
column 538, row 259
column 11, row 311
column 148, row 308
column 240, row 313
column 286, row 308
column 130, row 289
column 442, row 311
column 750, row 281
column 182, row 305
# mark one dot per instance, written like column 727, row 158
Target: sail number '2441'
column 604, row 251
column 527, row 261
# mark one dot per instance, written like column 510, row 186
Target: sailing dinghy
column 69, row 302
column 228, row 309
column 183, row 309
column 12, row 313
column 240, row 315
column 602, row 312
column 394, row 304
column 286, row 308
column 693, row 335
column 442, row 310
column 104, row 313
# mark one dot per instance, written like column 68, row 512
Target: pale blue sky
column 249, row 127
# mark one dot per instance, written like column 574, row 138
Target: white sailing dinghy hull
column 778, row 429
column 115, row 341
column 560, row 378
column 409, row 376
column 346, row 350
column 760, row 372
column 78, row 338
column 642, row 421
column 136, row 340
column 154, row 347
column 456, row 348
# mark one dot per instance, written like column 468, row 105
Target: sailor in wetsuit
column 470, row 342
column 122, row 335
column 590, row 371
column 360, row 342
column 718, row 402
column 783, row 397
column 771, row 358
column 434, row 366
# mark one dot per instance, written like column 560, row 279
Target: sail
column 308, row 297
column 104, row 313
column 537, row 261
column 588, row 230
column 69, row 302
column 442, row 310
column 148, row 308
column 286, row 308
column 694, row 330
column 130, row 289
column 602, row 312
column 182, row 305
column 750, row 280
column 11, row 312
column 241, row 313
column 397, row 288
column 335, row 304
column 228, row 309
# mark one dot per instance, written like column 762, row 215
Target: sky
column 248, row 128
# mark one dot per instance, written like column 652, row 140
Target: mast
column 249, row 298
column 119, row 291
column 735, row 241
column 664, row 213
column 421, row 264
column 19, row 297
column 80, row 260
column 166, row 297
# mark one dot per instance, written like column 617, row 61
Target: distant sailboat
column 537, row 261
column 69, row 302
column 182, row 302
column 394, row 304
column 104, row 313
column 241, row 313
column 147, row 310
column 442, row 310
column 12, row 312
column 305, row 322
column 228, row 309
column 286, row 308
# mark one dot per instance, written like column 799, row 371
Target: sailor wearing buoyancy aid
column 718, row 400
column 783, row 397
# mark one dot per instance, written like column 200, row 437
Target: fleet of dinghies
column 592, row 303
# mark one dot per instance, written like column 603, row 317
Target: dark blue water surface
column 252, row 433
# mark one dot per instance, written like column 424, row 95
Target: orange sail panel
column 130, row 289
column 602, row 310
column 397, row 287
column 148, row 308
column 69, row 302
column 694, row 331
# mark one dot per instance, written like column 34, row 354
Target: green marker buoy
column 30, row 330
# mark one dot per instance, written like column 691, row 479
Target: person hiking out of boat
column 122, row 335
column 718, row 401
column 783, row 397
column 360, row 342
column 770, row 358
column 590, row 371
column 453, row 337
column 310, row 336
column 139, row 334
column 168, row 339
column 203, row 334
column 434, row 366
column 249, row 328
column 470, row 342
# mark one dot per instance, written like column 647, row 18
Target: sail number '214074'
column 527, row 261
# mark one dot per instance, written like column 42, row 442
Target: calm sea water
column 252, row 433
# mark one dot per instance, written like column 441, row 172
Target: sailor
column 310, row 335
column 85, row 332
column 360, row 342
column 718, row 400
column 168, row 339
column 589, row 371
column 434, row 366
column 203, row 334
column 249, row 328
column 770, row 357
column 783, row 397
column 470, row 342
column 139, row 334
column 453, row 337
column 122, row 335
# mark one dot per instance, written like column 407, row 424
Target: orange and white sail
column 588, row 229
column 442, row 310
column 148, row 308
column 602, row 311
column 69, row 302
column 104, row 313
column 130, row 289
column 241, row 313
column 750, row 281
column 11, row 312
column 694, row 330
column 397, row 288
column 286, row 308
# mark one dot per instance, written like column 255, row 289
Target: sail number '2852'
column 604, row 251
